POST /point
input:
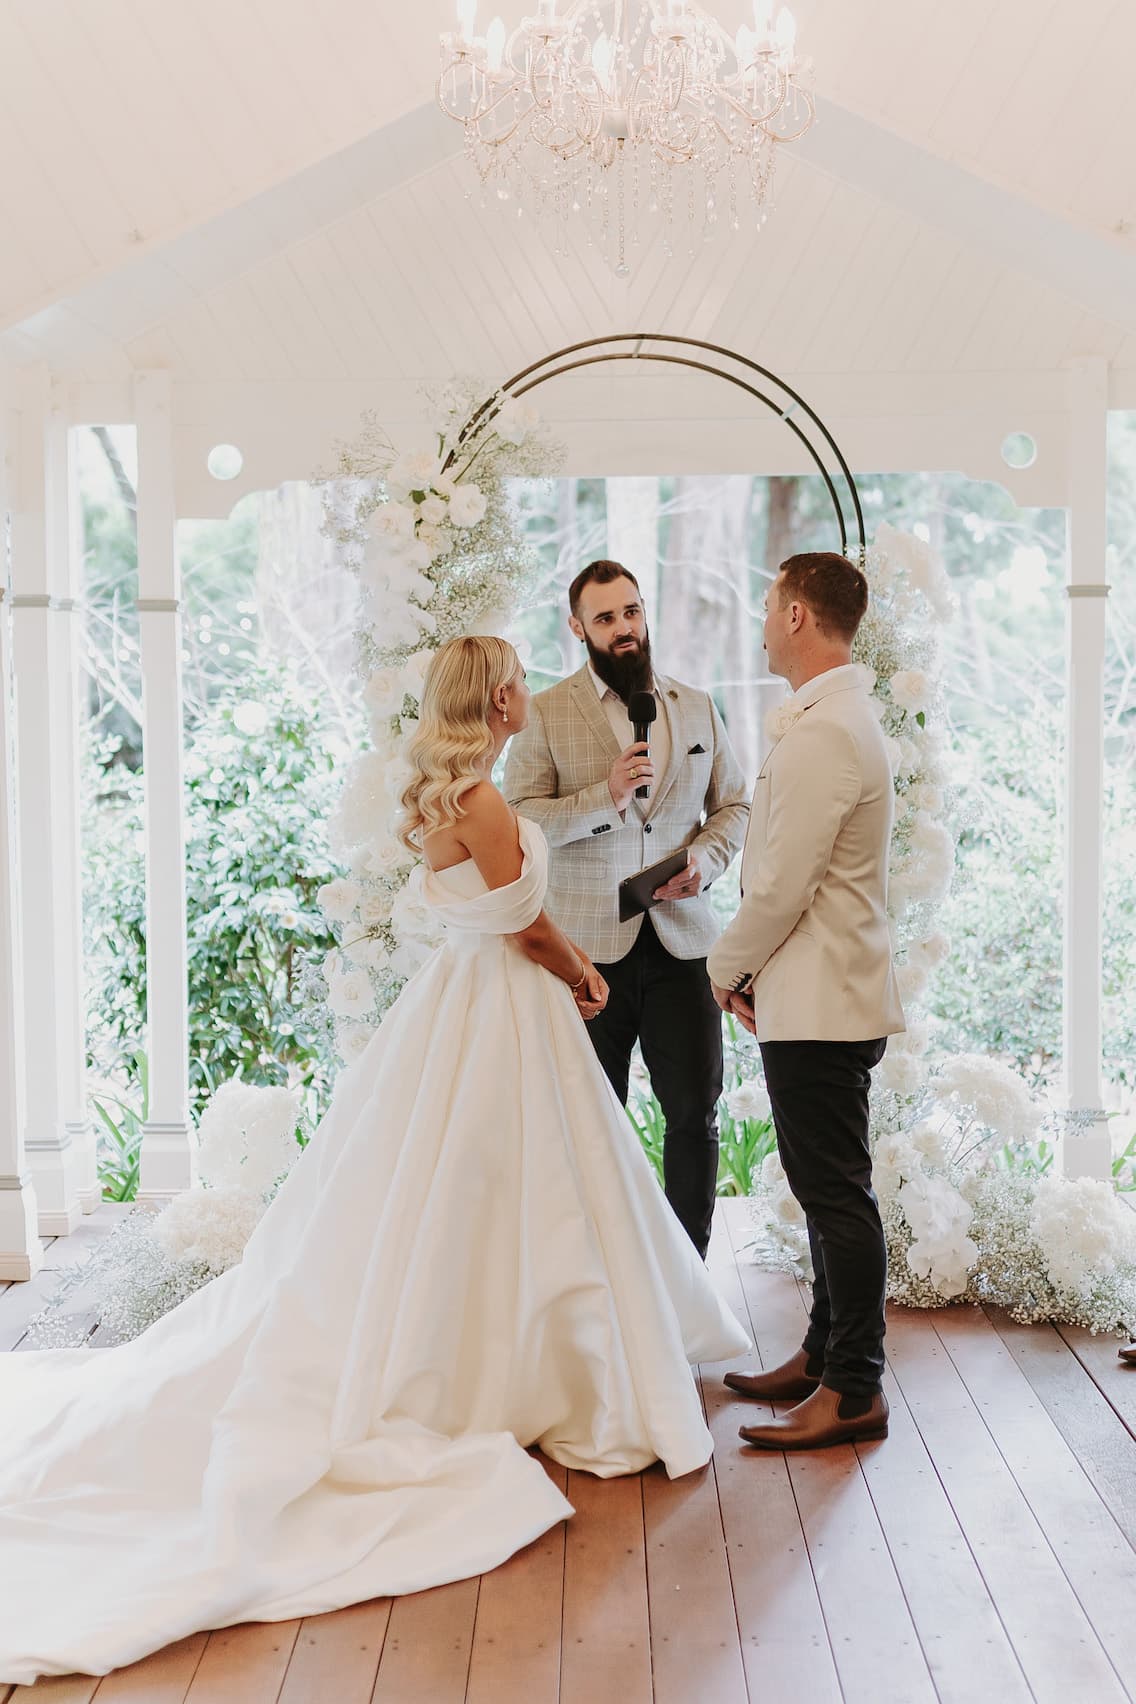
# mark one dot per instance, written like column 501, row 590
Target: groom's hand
column 686, row 884
column 741, row 1007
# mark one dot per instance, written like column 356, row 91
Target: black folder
column 637, row 893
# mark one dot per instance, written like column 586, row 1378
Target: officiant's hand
column 632, row 768
column 686, row 884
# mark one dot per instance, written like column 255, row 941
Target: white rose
column 432, row 510
column 911, row 690
column 250, row 719
column 351, row 995
column 384, row 693
column 748, row 1101
column 416, row 471
column 414, row 672
column 375, row 908
column 912, row 979
column 388, row 856
column 352, row 1040
column 392, row 522
column 468, row 506
column 436, row 541
column 929, row 799
column 368, row 953
column 337, row 899
column 932, row 951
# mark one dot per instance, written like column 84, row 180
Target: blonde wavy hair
column 453, row 742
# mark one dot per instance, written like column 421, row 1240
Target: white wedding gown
column 472, row 1255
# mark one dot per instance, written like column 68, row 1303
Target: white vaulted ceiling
column 260, row 192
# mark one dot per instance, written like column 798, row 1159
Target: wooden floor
column 983, row 1552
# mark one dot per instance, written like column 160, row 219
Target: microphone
column 642, row 710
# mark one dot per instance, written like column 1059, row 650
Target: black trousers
column 819, row 1093
column 666, row 1005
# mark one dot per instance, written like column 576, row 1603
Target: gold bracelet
column 574, row 986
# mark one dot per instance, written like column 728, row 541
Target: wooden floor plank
column 1086, row 1419
column 1053, row 1640
column 425, row 1657
column 164, row 1678
column 1098, row 1560
column 877, row 1651
column 695, row 1649
column 57, row 1689
column 966, row 1646
column 516, row 1638
column 245, row 1664
column 784, row 1641
column 606, row 1657
column 1114, row 1378
column 337, row 1656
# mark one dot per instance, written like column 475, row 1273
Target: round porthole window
column 1019, row 450
column 224, row 461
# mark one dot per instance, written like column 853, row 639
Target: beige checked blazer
column 811, row 938
column 557, row 776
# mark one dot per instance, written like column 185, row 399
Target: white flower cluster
column 434, row 541
column 958, row 1224
column 151, row 1262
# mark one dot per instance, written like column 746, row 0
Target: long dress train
column 471, row 1256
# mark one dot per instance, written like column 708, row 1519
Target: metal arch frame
column 556, row 364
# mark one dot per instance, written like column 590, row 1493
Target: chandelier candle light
column 613, row 107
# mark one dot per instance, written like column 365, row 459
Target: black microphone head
column 641, row 707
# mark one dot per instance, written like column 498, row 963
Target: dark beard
column 627, row 673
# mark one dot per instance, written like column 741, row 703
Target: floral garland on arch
column 959, row 1224
column 433, row 539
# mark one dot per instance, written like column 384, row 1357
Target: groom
column 806, row 965
column 575, row 770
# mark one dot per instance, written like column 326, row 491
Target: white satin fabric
column 471, row 1256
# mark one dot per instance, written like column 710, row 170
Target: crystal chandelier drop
column 616, row 107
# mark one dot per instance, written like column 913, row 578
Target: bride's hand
column 592, row 997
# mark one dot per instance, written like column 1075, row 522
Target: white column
column 46, row 857
column 1086, row 1148
column 168, row 1141
column 64, row 520
column 21, row 1253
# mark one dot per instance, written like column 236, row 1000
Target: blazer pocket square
column 697, row 751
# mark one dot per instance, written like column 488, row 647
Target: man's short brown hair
column 600, row 573
column 833, row 588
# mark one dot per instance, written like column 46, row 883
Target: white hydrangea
column 209, row 1226
column 991, row 1093
column 246, row 1135
column 900, row 1074
column 1084, row 1230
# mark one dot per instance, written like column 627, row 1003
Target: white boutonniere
column 781, row 718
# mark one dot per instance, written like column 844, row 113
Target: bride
column 470, row 1257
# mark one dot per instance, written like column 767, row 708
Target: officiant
column 577, row 770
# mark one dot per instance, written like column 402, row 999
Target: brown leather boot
column 826, row 1417
column 791, row 1382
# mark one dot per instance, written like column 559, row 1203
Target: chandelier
column 616, row 107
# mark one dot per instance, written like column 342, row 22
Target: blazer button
column 646, row 828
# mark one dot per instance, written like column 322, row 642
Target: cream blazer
column 811, row 938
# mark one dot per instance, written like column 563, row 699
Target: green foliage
column 260, row 783
column 119, row 1130
column 743, row 1143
